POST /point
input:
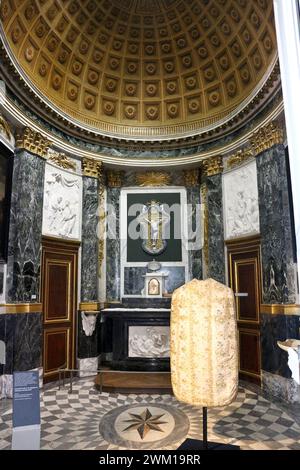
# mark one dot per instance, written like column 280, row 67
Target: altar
column 136, row 338
column 153, row 262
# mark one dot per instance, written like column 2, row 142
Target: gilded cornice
column 21, row 308
column 115, row 178
column 212, row 166
column 241, row 156
column 61, row 160
column 280, row 309
column 33, row 141
column 191, row 177
column 92, row 168
column 267, row 136
column 153, row 178
column 161, row 162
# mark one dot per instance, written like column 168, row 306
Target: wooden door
column 244, row 268
column 59, row 297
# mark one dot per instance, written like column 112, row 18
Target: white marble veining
column 241, row 210
column 62, row 203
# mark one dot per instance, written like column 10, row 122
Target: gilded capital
column 114, row 178
column 212, row 166
column 239, row 157
column 92, row 168
column 191, row 177
column 267, row 136
column 33, row 141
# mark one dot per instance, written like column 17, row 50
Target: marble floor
column 86, row 419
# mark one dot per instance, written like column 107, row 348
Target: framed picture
column 153, row 286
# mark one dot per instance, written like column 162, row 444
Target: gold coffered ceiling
column 143, row 68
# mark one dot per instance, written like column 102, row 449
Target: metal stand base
column 194, row 444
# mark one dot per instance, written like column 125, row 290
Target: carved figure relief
column 62, row 204
column 241, row 202
column 149, row 341
column 88, row 323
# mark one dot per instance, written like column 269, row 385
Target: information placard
column 26, row 399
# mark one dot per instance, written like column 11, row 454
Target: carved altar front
column 137, row 337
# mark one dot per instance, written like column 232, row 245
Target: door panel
column 246, row 274
column 244, row 269
column 58, row 282
column 56, row 347
column 59, row 294
column 249, row 352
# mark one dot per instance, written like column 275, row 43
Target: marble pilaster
column 216, row 251
column 194, row 217
column 24, row 248
column 89, row 244
column 113, row 244
column 277, row 237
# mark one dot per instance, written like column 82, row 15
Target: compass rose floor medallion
column 137, row 426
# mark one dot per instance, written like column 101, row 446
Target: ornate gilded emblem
column 153, row 220
column 153, row 178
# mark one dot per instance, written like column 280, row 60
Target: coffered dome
column 142, row 68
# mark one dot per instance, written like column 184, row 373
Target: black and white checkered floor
column 86, row 420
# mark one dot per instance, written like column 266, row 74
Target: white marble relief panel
column 149, row 341
column 240, row 193
column 62, row 203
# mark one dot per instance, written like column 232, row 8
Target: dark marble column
column 212, row 179
column 22, row 335
column 279, row 281
column 88, row 346
column 89, row 244
column 194, row 224
column 24, row 249
column 113, row 273
column 277, row 245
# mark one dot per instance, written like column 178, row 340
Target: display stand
column 195, row 444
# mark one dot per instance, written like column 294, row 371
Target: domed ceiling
column 142, row 68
